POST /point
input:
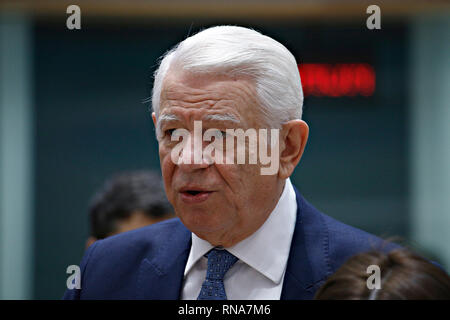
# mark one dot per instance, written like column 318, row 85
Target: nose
column 192, row 156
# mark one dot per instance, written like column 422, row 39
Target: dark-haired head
column 403, row 276
column 128, row 201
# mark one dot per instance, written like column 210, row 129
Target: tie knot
column 219, row 262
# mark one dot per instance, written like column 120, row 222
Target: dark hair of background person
column 404, row 276
column 124, row 195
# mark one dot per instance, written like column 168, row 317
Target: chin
column 200, row 222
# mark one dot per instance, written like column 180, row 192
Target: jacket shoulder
column 110, row 267
column 145, row 239
column 333, row 242
column 345, row 241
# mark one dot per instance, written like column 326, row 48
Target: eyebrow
column 222, row 117
column 167, row 117
column 212, row 117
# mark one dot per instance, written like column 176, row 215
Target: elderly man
column 241, row 232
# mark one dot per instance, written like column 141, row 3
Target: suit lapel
column 306, row 268
column 161, row 277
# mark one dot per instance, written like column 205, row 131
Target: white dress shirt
column 263, row 256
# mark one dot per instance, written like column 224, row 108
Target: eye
column 169, row 132
column 222, row 132
column 226, row 134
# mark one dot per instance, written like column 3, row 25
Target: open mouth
column 194, row 196
column 193, row 192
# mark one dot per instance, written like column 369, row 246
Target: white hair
column 238, row 51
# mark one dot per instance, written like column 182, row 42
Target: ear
column 294, row 135
column 154, row 118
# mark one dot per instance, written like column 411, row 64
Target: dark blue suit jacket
column 148, row 263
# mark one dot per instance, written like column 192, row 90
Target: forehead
column 197, row 94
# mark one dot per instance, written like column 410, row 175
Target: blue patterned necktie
column 219, row 262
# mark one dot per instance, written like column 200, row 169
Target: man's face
column 221, row 203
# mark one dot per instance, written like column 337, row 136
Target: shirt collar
column 266, row 250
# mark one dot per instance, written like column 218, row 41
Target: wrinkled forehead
column 202, row 92
column 206, row 82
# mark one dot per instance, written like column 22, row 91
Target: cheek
column 235, row 178
column 164, row 154
column 246, row 183
column 167, row 168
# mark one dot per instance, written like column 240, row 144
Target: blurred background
column 72, row 114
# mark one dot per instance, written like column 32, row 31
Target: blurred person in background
column 128, row 201
column 403, row 276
